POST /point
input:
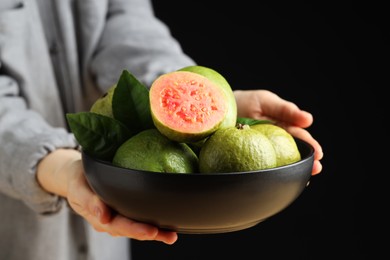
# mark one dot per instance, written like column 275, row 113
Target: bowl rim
column 300, row 142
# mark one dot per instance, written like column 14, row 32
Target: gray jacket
column 56, row 57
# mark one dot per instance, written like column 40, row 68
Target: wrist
column 56, row 168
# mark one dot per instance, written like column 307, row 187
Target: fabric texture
column 57, row 57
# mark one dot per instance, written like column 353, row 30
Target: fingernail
column 98, row 212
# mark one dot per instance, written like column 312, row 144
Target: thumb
column 85, row 202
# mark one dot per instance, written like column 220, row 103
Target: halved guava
column 186, row 106
column 217, row 78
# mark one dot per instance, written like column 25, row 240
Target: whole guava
column 103, row 105
column 236, row 149
column 283, row 142
column 149, row 150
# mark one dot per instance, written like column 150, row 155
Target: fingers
column 284, row 111
column 168, row 237
column 122, row 226
column 317, row 168
column 87, row 204
column 264, row 104
column 84, row 201
column 306, row 136
column 99, row 210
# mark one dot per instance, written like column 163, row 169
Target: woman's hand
column 61, row 173
column 263, row 104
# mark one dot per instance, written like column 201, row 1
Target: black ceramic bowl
column 200, row 203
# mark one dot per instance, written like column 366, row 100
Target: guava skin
column 103, row 105
column 149, row 150
column 247, row 148
column 283, row 142
column 236, row 149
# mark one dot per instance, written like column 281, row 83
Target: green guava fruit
column 216, row 77
column 149, row 150
column 103, row 105
column 186, row 106
column 236, row 149
column 196, row 146
column 283, row 142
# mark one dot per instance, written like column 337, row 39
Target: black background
column 328, row 59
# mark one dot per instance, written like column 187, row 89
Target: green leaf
column 251, row 121
column 100, row 136
column 131, row 104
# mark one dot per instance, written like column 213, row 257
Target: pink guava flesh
column 187, row 102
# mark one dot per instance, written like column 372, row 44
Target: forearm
column 56, row 169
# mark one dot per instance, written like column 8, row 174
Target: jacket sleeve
column 25, row 138
column 25, row 134
column 134, row 39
